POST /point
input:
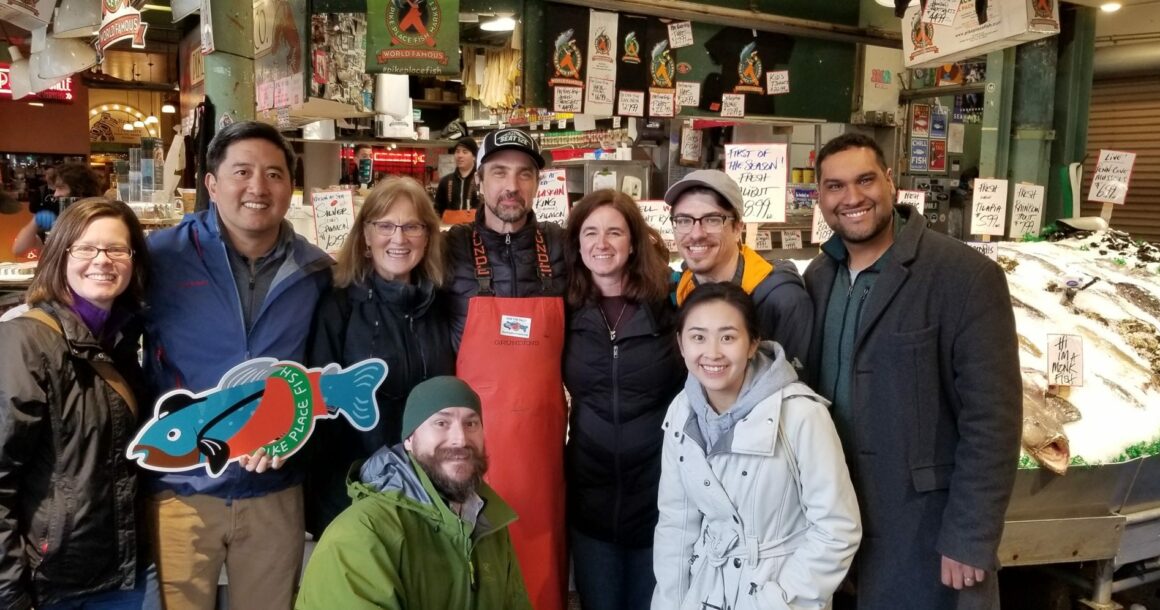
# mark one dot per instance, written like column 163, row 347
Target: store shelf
column 417, row 103
column 401, row 143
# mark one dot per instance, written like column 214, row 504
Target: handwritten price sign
column 759, row 170
column 941, row 12
column 1026, row 210
column 568, row 99
column 777, row 82
column 631, row 103
column 656, row 215
column 989, row 213
column 662, row 103
column 333, row 218
column 688, row 94
column 913, row 198
column 1110, row 183
column 551, row 203
column 733, row 105
column 680, row 34
column 820, row 231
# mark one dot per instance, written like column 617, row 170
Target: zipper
column 418, row 344
column 616, row 441
column 507, row 240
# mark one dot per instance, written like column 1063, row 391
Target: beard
column 509, row 212
column 856, row 236
column 452, row 489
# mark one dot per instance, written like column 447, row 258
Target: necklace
column 612, row 327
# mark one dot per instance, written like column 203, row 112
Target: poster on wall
column 280, row 43
column 938, row 122
column 920, row 121
column 408, row 37
column 919, row 154
column 601, row 78
column 938, row 155
column 566, row 43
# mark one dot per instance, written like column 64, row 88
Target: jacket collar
column 643, row 323
column 528, row 229
column 413, row 299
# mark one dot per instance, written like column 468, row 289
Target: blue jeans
column 610, row 576
column 144, row 596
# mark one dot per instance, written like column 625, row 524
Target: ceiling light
column 37, row 104
column 499, row 23
column 1111, row 7
column 127, row 127
column 149, row 120
column 139, row 124
column 168, row 108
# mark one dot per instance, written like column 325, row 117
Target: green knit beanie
column 434, row 395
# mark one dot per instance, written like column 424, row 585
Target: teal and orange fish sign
column 261, row 403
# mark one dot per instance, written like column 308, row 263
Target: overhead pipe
column 746, row 19
column 1126, row 60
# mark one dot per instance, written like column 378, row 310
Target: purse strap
column 105, row 369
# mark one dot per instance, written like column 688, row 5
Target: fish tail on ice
column 351, row 391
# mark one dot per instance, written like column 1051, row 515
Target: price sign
column 989, row 209
column 631, row 103
column 733, row 105
column 1110, row 183
column 680, row 34
column 1026, row 210
column 760, row 171
column 688, row 94
column 777, row 82
column 568, row 99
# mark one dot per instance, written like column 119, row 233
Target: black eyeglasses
column 711, row 223
column 387, row 229
column 88, row 253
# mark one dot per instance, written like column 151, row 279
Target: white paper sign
column 1065, row 360
column 631, row 103
column 656, row 215
column 914, row 198
column 777, row 82
column 333, row 218
column 616, row 122
column 661, row 104
column 604, row 179
column 941, row 12
column 562, row 124
column 680, row 34
column 956, row 132
column 1110, row 182
column 989, row 209
column 760, row 171
column 820, row 231
column 568, row 99
column 551, row 203
column 791, row 240
column 764, row 241
column 1026, row 210
column 601, row 92
column 691, row 142
column 688, row 94
column 989, row 249
column 733, row 104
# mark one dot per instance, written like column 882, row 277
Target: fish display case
column 1088, row 489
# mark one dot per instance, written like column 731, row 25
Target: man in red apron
column 506, row 280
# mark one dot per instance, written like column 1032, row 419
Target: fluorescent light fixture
column 168, row 108
column 1111, row 7
column 499, row 23
column 37, row 104
column 76, row 19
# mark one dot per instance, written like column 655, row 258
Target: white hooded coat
column 752, row 524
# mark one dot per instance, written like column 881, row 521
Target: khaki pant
column 260, row 540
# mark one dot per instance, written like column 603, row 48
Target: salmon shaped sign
column 261, row 403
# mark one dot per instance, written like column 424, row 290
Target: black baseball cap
column 468, row 143
column 509, row 138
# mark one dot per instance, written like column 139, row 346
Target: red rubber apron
column 510, row 354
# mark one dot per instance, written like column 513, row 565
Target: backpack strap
column 105, row 369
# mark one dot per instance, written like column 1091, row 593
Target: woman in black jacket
column 385, row 304
column 622, row 369
column 70, row 388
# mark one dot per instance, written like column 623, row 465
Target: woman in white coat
column 756, row 506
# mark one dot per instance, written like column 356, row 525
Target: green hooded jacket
column 400, row 547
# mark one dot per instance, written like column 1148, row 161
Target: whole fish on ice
column 259, row 403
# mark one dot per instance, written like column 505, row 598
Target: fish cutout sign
column 260, row 403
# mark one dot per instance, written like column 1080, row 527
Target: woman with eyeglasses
column 385, row 304
column 71, row 399
column 622, row 368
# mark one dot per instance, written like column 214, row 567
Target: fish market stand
column 1107, row 514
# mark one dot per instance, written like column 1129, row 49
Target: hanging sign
column 120, row 21
column 601, row 77
column 412, row 37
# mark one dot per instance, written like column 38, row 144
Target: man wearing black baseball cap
column 707, row 211
column 506, row 280
column 457, row 190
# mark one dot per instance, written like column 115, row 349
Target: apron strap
column 105, row 369
column 483, row 265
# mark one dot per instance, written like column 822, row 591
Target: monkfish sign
column 261, row 403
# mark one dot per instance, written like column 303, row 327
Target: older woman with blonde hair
column 385, row 304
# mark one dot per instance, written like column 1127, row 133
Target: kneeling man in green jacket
column 424, row 531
